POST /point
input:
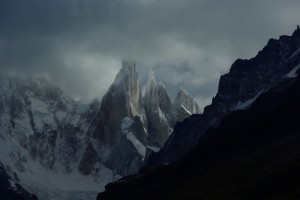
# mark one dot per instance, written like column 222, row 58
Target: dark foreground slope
column 10, row 190
column 253, row 154
column 243, row 83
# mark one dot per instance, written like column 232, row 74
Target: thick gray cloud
column 80, row 43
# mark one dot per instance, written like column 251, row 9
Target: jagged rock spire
column 159, row 111
column 185, row 105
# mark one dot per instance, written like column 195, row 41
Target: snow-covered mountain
column 58, row 148
column 131, row 125
column 119, row 128
column 44, row 138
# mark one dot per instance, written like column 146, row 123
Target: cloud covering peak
column 80, row 44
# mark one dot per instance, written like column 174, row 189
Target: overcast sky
column 79, row 44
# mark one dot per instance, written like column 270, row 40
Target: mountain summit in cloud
column 245, row 145
column 47, row 136
column 189, row 43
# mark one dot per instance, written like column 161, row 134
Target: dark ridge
column 12, row 192
column 245, row 80
column 253, row 154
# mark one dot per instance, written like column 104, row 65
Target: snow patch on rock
column 126, row 130
column 246, row 104
column 293, row 73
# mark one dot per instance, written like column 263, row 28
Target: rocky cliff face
column 238, row 89
column 185, row 105
column 121, row 106
column 252, row 154
column 159, row 110
column 132, row 125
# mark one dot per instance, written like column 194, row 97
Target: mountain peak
column 152, row 90
column 182, row 91
column 129, row 65
column 127, row 72
column 151, row 76
column 159, row 111
column 151, row 81
column 185, row 104
column 296, row 33
column 181, row 95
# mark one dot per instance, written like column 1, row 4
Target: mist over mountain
column 238, row 89
column 54, row 147
column 149, row 99
column 245, row 145
column 186, row 43
column 58, row 148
